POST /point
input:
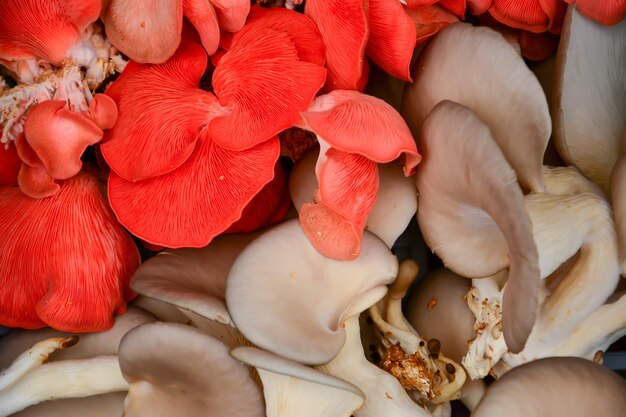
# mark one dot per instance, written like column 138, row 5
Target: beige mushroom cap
column 478, row 68
column 287, row 298
column 174, row 370
column 589, row 95
column 471, row 210
column 437, row 309
column 555, row 387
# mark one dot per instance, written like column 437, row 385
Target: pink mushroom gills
column 226, row 142
column 48, row 30
column 355, row 28
column 396, row 201
column 184, row 370
column 310, row 294
column 456, row 212
column 531, row 15
column 151, row 33
column 556, row 387
column 356, row 132
column 69, row 270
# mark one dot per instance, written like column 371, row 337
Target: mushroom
column 194, row 280
column 29, row 380
column 356, row 132
column 293, row 389
column 395, row 205
column 48, row 30
column 438, row 298
column 89, row 346
column 589, row 95
column 227, row 144
column 582, row 388
column 588, row 102
column 310, row 294
column 510, row 101
column 471, row 220
column 46, row 273
column 150, row 33
column 173, row 369
column 420, row 366
column 383, row 393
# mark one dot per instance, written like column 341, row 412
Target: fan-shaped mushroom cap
column 174, row 369
column 285, row 297
column 192, row 279
column 478, row 68
column 293, row 389
column 437, row 309
column 568, row 387
column 589, row 95
column 476, row 195
column 396, row 201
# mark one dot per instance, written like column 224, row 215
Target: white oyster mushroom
column 174, row 369
column 292, row 389
column 396, row 201
column 472, row 213
column 192, row 279
column 90, row 345
column 589, row 95
column 478, row 68
column 556, row 387
column 287, row 298
column 29, row 380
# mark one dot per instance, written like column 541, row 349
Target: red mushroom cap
column 65, row 262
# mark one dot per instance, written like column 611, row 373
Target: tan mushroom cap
column 287, row 298
column 555, row 387
column 192, row 279
column 292, row 389
column 589, row 95
column 437, row 309
column 478, row 68
column 176, row 370
column 472, row 214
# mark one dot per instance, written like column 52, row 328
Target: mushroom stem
column 418, row 364
column 80, row 378
column 488, row 347
column 34, row 357
column 596, row 333
column 594, row 275
column 383, row 393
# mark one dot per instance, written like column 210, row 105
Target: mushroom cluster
column 226, row 207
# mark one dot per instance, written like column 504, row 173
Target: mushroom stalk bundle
column 572, row 207
column 418, row 364
column 29, row 380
